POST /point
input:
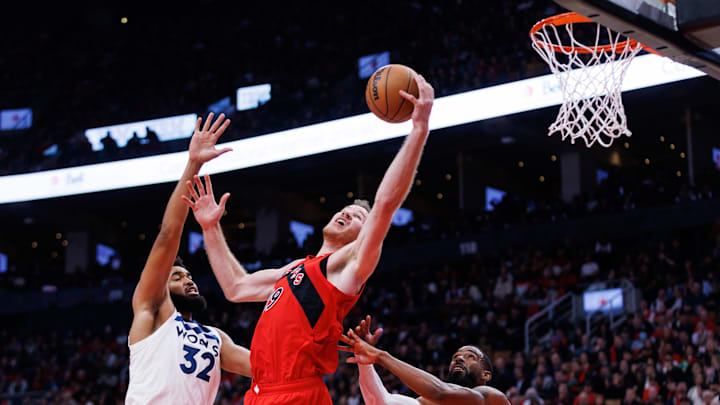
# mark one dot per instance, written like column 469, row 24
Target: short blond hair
column 363, row 203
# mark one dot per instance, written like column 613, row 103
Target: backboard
column 661, row 12
column 687, row 31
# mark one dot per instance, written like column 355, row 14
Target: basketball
column 382, row 93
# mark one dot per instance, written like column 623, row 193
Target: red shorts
column 311, row 391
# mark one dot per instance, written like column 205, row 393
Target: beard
column 184, row 303
column 468, row 380
column 334, row 235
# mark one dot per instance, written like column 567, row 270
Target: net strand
column 591, row 83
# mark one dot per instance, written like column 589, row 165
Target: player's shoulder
column 205, row 328
column 339, row 260
column 222, row 333
column 493, row 396
column 286, row 269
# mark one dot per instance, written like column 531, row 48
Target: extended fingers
column 208, row 184
column 424, row 88
column 368, row 320
column 407, row 96
column 188, row 202
column 208, row 121
column 377, row 334
column 200, row 187
column 217, row 123
column 430, row 91
column 354, row 336
column 223, row 200
column 191, row 189
column 346, row 339
column 222, row 128
column 197, row 124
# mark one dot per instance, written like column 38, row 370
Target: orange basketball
column 382, row 93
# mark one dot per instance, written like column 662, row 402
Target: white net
column 590, row 78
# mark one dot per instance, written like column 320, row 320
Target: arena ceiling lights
column 477, row 105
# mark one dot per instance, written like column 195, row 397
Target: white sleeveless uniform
column 177, row 364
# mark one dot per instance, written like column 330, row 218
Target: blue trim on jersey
column 199, row 329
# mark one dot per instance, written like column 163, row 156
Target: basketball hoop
column 590, row 78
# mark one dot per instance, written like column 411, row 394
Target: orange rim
column 572, row 18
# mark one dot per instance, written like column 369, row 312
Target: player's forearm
column 372, row 388
column 398, row 179
column 226, row 267
column 152, row 286
column 239, row 363
column 234, row 358
column 374, row 392
column 423, row 383
column 176, row 211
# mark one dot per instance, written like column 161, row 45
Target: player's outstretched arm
column 237, row 284
column 375, row 393
column 151, row 290
column 365, row 251
column 371, row 386
column 425, row 384
column 234, row 358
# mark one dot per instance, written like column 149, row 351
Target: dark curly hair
column 179, row 262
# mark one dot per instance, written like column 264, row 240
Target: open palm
column 362, row 343
column 207, row 212
column 364, row 353
column 202, row 143
column 363, row 330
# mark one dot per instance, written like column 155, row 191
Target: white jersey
column 177, row 364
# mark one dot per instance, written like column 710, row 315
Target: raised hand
column 207, row 212
column 364, row 352
column 423, row 103
column 363, row 330
column 202, row 143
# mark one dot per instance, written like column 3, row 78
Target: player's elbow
column 244, row 290
column 168, row 233
column 234, row 292
column 142, row 302
column 231, row 296
column 235, row 297
column 385, row 207
column 170, row 228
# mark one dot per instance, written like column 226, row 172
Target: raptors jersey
column 179, row 363
column 298, row 331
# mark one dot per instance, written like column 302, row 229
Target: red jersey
column 299, row 329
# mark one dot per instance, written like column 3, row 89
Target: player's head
column 470, row 367
column 183, row 291
column 345, row 225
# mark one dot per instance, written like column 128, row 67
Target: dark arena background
column 587, row 275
